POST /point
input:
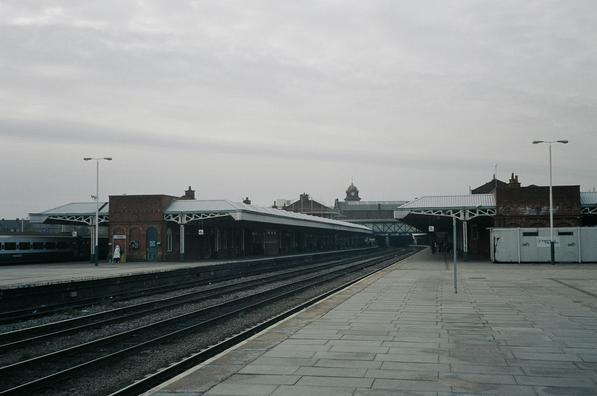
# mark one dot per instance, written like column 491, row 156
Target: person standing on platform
column 116, row 255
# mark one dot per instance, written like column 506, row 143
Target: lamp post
column 551, row 240
column 96, row 242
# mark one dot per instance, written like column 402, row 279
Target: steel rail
column 16, row 338
column 30, row 313
column 274, row 294
column 150, row 381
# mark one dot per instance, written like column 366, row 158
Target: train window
column 10, row 246
column 566, row 233
column 24, row 245
column 62, row 245
column 50, row 245
column 530, row 233
column 37, row 245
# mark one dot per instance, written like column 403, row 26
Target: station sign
column 118, row 236
column 431, row 228
column 200, row 232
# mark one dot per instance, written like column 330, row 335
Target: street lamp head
column 87, row 159
column 537, row 141
column 108, row 158
column 563, row 141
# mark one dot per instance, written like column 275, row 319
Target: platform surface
column 21, row 275
column 511, row 330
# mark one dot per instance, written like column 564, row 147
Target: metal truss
column 184, row 218
column 589, row 211
column 460, row 214
column 391, row 228
column 86, row 219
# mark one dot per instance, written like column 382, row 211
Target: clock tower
column 352, row 193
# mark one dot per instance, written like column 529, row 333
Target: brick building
column 528, row 206
column 309, row 206
column 377, row 215
column 497, row 204
column 169, row 228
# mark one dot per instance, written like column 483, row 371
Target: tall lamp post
column 96, row 245
column 551, row 240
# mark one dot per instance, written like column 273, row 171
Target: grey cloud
column 389, row 90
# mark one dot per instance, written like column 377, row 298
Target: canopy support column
column 464, row 240
column 182, row 242
column 92, row 242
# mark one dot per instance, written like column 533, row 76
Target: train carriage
column 23, row 248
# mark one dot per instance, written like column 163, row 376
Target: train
column 34, row 248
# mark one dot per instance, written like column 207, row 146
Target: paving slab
column 511, row 330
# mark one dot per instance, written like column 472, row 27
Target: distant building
column 376, row 215
column 352, row 193
column 279, row 203
column 309, row 206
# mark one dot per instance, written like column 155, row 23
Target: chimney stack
column 513, row 183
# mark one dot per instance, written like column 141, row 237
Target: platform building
column 500, row 205
column 167, row 228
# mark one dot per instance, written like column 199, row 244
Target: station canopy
column 186, row 211
column 463, row 207
column 588, row 202
column 74, row 212
column 468, row 206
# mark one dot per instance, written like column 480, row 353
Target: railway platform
column 27, row 275
column 25, row 288
column 511, row 330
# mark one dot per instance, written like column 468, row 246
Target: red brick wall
column 529, row 206
column 133, row 215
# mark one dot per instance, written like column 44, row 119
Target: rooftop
column 470, row 201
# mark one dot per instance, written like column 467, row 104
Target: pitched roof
column 240, row 211
column 471, row 201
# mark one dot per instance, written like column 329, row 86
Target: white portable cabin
column 531, row 245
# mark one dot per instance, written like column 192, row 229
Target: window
column 50, row 245
column 24, row 245
column 530, row 233
column 62, row 245
column 38, row 245
column 569, row 233
column 10, row 246
column 169, row 240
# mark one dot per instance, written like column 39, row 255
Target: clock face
column 353, row 193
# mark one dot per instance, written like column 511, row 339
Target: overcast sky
column 269, row 99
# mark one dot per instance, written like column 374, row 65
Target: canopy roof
column 369, row 205
column 588, row 199
column 470, row 201
column 464, row 207
column 183, row 211
column 74, row 212
column 588, row 202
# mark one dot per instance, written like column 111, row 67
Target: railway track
column 36, row 312
column 26, row 336
column 43, row 371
